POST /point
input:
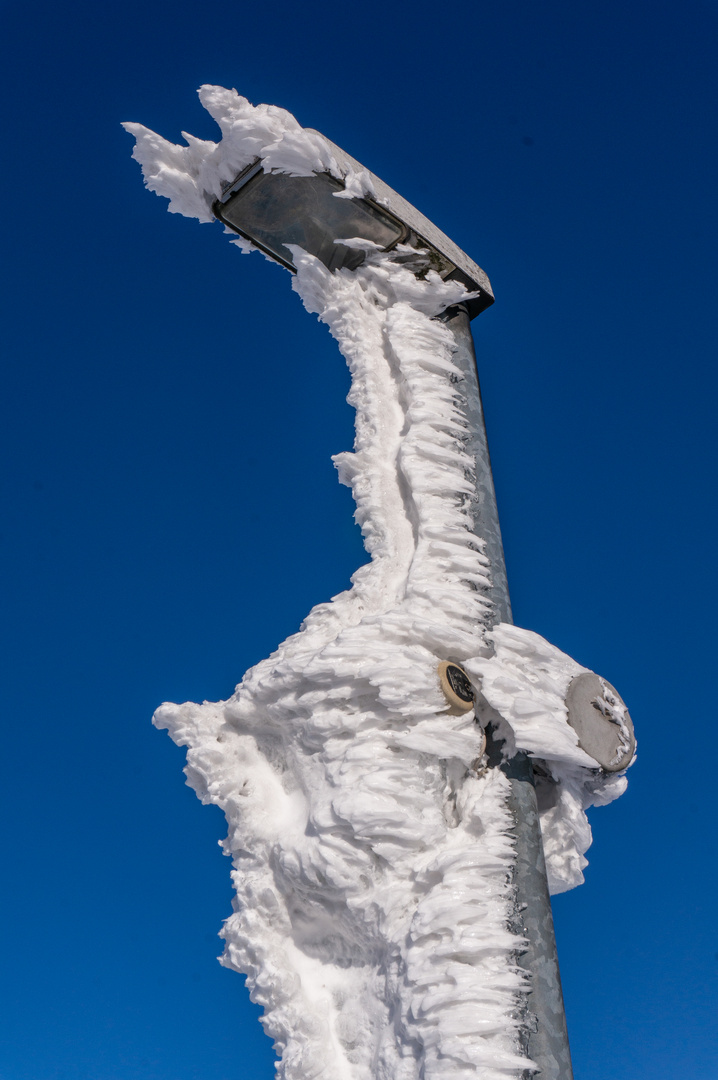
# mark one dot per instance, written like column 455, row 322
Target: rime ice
column 370, row 844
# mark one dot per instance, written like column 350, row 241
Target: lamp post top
column 274, row 209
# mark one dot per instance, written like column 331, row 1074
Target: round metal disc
column 598, row 715
column 457, row 687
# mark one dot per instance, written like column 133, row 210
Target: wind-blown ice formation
column 370, row 842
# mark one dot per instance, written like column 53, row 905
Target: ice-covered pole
column 545, row 1034
column 391, row 859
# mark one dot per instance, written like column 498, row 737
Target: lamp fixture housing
column 274, row 209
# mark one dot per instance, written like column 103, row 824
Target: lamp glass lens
column 274, row 210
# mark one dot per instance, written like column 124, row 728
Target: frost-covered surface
column 371, row 844
column 524, row 683
column 193, row 176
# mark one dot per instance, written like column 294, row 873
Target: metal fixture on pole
column 273, row 210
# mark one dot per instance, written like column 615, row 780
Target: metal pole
column 545, row 1038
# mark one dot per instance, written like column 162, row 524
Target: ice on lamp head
column 199, row 178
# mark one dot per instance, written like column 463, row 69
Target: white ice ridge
column 370, row 843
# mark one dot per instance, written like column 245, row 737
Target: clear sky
column 171, row 511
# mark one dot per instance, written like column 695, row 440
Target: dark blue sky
column 171, row 511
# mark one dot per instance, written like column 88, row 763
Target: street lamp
column 282, row 209
column 273, row 210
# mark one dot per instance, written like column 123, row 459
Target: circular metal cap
column 598, row 715
column 457, row 688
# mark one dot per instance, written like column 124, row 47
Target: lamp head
column 274, row 209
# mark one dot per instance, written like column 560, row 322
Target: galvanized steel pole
column 545, row 1038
